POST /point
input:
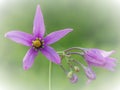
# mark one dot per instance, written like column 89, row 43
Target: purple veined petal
column 89, row 73
column 20, row 37
column 94, row 56
column 51, row 54
column 55, row 36
column 95, row 53
column 29, row 58
column 110, row 64
column 94, row 60
column 38, row 27
column 106, row 54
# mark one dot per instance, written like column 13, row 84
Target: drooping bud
column 89, row 73
column 74, row 79
column 76, row 68
column 100, row 58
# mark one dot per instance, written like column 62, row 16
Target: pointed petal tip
column 113, row 51
column 38, row 24
column 111, row 69
column 5, row 35
column 70, row 29
column 58, row 62
column 56, row 35
column 38, row 6
column 25, row 68
column 19, row 37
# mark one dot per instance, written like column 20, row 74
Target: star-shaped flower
column 37, row 42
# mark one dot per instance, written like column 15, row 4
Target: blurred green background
column 96, row 24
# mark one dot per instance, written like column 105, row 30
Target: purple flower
column 37, row 42
column 101, row 58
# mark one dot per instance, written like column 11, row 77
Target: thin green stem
column 60, row 52
column 63, row 68
column 74, row 48
column 77, row 53
column 79, row 63
column 50, row 74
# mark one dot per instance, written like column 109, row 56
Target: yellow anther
column 36, row 43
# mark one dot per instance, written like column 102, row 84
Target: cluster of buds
column 92, row 57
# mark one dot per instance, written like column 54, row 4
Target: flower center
column 37, row 43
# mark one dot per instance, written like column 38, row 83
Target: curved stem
column 79, row 63
column 50, row 72
column 73, row 48
column 78, row 53
column 60, row 52
column 65, row 71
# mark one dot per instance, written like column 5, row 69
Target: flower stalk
column 50, row 75
column 92, row 57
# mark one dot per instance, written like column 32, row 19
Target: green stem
column 77, row 53
column 74, row 48
column 60, row 52
column 50, row 72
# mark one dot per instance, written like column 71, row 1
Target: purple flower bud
column 74, row 78
column 101, row 58
column 89, row 73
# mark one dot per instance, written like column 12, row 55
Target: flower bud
column 89, row 73
column 76, row 68
column 74, row 79
column 100, row 58
column 70, row 74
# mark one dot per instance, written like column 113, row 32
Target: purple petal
column 106, row 54
column 55, row 36
column 20, row 37
column 39, row 27
column 89, row 73
column 51, row 54
column 94, row 60
column 29, row 58
column 110, row 64
column 94, row 56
